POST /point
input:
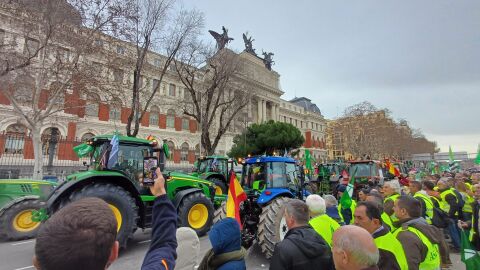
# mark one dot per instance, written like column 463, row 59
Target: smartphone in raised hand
column 150, row 165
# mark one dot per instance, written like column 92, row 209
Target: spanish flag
column 391, row 168
column 236, row 195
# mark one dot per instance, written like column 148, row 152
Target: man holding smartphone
column 162, row 252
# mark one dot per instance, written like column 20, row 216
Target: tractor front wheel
column 120, row 201
column 16, row 222
column 196, row 211
column 272, row 227
column 220, row 186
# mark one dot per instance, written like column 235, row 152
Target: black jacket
column 302, row 248
column 476, row 233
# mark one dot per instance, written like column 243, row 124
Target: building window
column 91, row 109
column 155, row 84
column 99, row 43
column 118, row 75
column 50, row 138
column 157, row 62
column 97, row 68
column 284, row 119
column 87, row 136
column 115, row 110
column 184, row 152
column 171, row 118
column 296, row 123
column 171, row 146
column 185, row 123
column 171, row 90
column 120, row 50
column 15, row 140
column 153, row 120
column 301, row 124
column 197, row 151
column 31, row 46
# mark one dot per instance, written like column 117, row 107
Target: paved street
column 18, row 255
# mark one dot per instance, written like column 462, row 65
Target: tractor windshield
column 363, row 170
column 281, row 174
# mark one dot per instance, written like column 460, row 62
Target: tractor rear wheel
column 220, row 186
column 196, row 211
column 16, row 222
column 220, row 213
column 120, row 201
column 272, row 227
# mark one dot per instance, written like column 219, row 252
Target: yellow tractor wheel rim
column 197, row 216
column 118, row 216
column 218, row 190
column 23, row 222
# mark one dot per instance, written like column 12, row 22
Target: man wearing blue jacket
column 162, row 252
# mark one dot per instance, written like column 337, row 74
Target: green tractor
column 19, row 198
column 119, row 185
column 214, row 169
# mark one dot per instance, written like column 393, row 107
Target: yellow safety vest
column 389, row 243
column 467, row 207
column 443, row 203
column 325, row 226
column 393, row 198
column 428, row 206
column 352, row 208
column 432, row 260
column 387, row 221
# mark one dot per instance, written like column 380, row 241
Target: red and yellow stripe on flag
column 236, row 195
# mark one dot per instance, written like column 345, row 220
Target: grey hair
column 330, row 200
column 353, row 246
column 298, row 210
column 316, row 204
column 395, row 185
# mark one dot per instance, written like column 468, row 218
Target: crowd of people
column 390, row 226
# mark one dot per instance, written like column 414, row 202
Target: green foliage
column 266, row 138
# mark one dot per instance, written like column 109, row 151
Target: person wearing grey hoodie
column 421, row 242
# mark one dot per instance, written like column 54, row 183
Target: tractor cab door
column 254, row 176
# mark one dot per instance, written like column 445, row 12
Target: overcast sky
column 420, row 59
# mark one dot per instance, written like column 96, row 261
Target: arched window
column 185, row 123
column 87, row 136
column 15, row 140
column 184, row 152
column 197, row 151
column 50, row 138
column 91, row 108
column 171, row 118
column 153, row 120
column 115, row 109
column 171, row 147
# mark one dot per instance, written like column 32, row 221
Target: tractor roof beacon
column 120, row 187
column 269, row 183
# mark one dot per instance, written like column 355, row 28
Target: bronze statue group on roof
column 223, row 39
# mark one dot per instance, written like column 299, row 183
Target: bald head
column 353, row 248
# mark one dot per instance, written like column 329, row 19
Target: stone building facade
column 101, row 115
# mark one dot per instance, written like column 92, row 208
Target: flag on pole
column 236, row 195
column 469, row 256
column 308, row 161
column 392, row 169
column 82, row 150
column 113, row 158
column 450, row 154
column 346, row 199
column 477, row 160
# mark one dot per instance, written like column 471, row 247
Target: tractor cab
column 216, row 170
column 364, row 171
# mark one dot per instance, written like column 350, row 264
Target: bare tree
column 154, row 26
column 216, row 93
column 46, row 56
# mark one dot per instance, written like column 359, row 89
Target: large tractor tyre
column 272, row 227
column 16, row 222
column 120, row 201
column 220, row 213
column 220, row 186
column 196, row 211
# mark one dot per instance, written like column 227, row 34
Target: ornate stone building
column 99, row 115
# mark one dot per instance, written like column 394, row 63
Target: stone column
column 264, row 110
column 259, row 111
column 249, row 109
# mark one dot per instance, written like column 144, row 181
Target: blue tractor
column 269, row 183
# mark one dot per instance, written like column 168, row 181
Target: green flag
column 477, row 160
column 450, row 154
column 82, row 150
column 470, row 256
column 346, row 199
